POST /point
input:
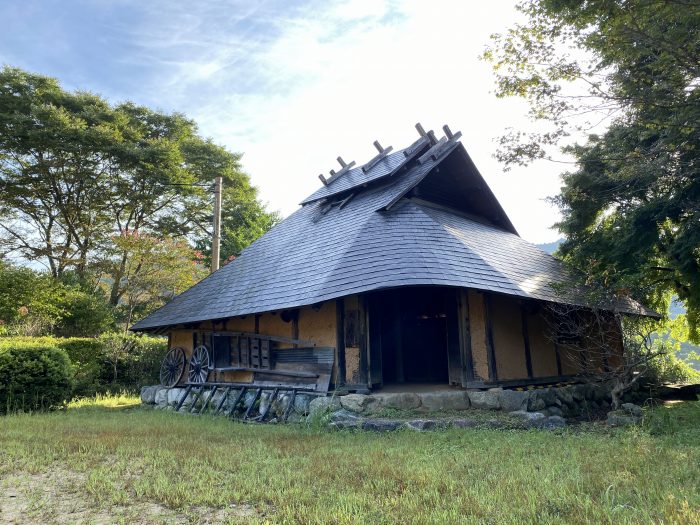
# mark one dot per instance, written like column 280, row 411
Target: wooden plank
column 265, row 361
column 374, row 161
column 182, row 399
column 493, row 371
column 271, row 371
column 526, row 340
column 245, row 352
column 340, row 341
column 240, row 395
column 290, row 406
column 263, row 415
column 454, row 347
column 209, row 397
column 374, row 349
column 363, row 341
column 558, row 354
column 255, row 352
column 223, row 400
column 465, row 338
column 196, row 398
column 252, row 404
column 272, row 338
column 524, row 382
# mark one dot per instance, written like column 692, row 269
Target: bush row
column 42, row 372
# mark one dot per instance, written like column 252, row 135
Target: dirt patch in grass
column 59, row 497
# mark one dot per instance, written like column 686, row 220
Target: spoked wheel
column 173, row 367
column 199, row 365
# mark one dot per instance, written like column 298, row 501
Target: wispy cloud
column 295, row 84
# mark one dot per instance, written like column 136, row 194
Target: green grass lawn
column 108, row 461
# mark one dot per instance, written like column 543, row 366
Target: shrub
column 33, row 376
column 668, row 368
column 112, row 362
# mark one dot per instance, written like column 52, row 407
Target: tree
column 630, row 210
column 34, row 303
column 157, row 269
column 75, row 171
column 607, row 346
column 243, row 220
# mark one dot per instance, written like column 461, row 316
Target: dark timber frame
column 490, row 352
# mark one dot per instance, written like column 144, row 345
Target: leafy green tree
column 630, row 209
column 157, row 269
column 76, row 170
column 243, row 220
column 34, row 303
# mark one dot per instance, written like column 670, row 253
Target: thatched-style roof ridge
column 433, row 222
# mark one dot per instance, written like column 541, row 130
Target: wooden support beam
column 526, row 339
column 252, row 404
column 363, row 342
column 432, row 151
column 490, row 350
column 273, row 338
column 465, row 338
column 223, row 400
column 290, row 406
column 336, row 175
column 382, row 154
column 431, row 136
column 558, row 356
column 448, row 131
column 421, row 131
column 209, row 398
column 240, row 395
column 323, row 179
column 340, row 341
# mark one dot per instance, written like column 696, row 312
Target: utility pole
column 216, row 239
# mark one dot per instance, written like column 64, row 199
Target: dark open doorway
column 412, row 333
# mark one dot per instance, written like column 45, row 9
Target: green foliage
column 75, row 169
column 33, row 375
column 110, row 363
column 629, row 210
column 156, row 269
column 34, row 303
column 670, row 367
column 130, row 361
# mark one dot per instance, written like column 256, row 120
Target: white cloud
column 299, row 89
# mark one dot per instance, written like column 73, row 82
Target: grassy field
column 107, row 461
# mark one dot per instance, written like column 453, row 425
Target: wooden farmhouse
column 402, row 271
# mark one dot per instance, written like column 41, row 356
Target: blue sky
column 293, row 85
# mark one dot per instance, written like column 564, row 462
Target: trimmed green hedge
column 112, row 362
column 33, row 376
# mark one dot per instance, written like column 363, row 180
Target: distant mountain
column 550, row 247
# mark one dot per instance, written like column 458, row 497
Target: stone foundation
column 563, row 401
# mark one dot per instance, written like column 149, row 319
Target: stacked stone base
column 538, row 408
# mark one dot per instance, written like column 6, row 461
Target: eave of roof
column 382, row 238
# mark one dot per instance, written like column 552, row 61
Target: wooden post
column 216, row 239
column 340, row 340
column 493, row 370
column 526, row 339
column 363, row 342
column 558, row 356
column 465, row 341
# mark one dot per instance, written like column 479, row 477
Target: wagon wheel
column 173, row 367
column 199, row 365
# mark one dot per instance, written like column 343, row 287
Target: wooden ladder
column 206, row 391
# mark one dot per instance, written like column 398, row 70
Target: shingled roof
column 420, row 216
